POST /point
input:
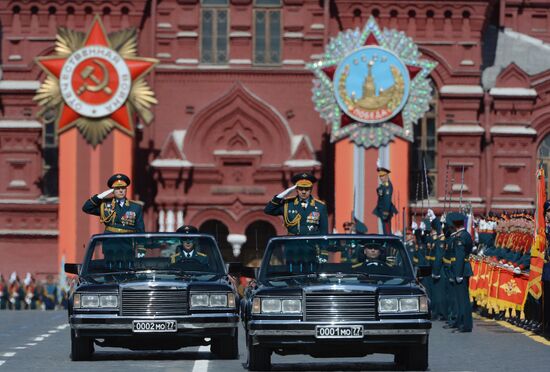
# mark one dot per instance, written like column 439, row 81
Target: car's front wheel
column 258, row 358
column 226, row 347
column 413, row 358
column 82, row 348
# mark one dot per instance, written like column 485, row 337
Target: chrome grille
column 340, row 307
column 156, row 302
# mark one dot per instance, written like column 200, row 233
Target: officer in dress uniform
column 384, row 207
column 189, row 249
column 302, row 214
column 462, row 245
column 119, row 215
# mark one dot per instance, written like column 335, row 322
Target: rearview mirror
column 423, row 271
column 72, row 268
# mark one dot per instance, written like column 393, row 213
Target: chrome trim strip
column 381, row 322
column 128, row 326
column 311, row 332
column 167, row 317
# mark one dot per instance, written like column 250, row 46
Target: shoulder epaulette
column 201, row 254
column 138, row 202
column 319, row 201
column 357, row 265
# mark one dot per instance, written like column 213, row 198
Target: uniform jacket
column 181, row 255
column 311, row 220
column 384, row 206
column 462, row 244
column 125, row 219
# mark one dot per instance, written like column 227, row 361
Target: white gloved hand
column 422, row 226
column 459, row 279
column 517, row 270
column 414, row 226
column 286, row 192
column 431, row 215
column 105, row 193
column 436, row 277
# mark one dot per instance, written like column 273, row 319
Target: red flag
column 539, row 241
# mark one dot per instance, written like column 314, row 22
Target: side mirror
column 248, row 272
column 423, row 271
column 72, row 268
column 234, row 268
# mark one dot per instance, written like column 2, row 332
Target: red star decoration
column 331, row 70
column 137, row 67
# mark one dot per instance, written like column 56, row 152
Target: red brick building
column 235, row 117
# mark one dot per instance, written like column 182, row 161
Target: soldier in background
column 16, row 292
column 384, row 207
column 302, row 214
column 49, row 293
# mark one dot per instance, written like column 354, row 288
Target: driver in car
column 373, row 262
column 188, row 250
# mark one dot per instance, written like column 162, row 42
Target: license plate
column 336, row 331
column 155, row 326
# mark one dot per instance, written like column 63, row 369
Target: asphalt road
column 40, row 341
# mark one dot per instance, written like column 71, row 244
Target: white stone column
column 161, row 220
column 236, row 241
column 170, row 220
column 179, row 218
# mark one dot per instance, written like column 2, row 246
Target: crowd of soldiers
column 448, row 243
column 445, row 245
column 31, row 294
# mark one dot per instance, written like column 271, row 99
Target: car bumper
column 385, row 333
column 200, row 325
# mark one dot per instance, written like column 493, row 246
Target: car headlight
column 405, row 304
column 199, row 300
column 89, row 300
column 108, row 301
column 291, row 306
column 271, row 305
column 388, row 305
column 408, row 304
column 218, row 300
column 213, row 300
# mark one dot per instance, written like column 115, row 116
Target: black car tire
column 226, row 347
column 82, row 348
column 413, row 358
column 258, row 358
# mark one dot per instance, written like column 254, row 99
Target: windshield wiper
column 293, row 276
column 113, row 273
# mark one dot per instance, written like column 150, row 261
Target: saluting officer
column 384, row 207
column 119, row 214
column 302, row 214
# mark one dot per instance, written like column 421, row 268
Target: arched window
column 257, row 235
column 424, row 154
column 543, row 158
column 267, row 32
column 220, row 232
column 214, row 31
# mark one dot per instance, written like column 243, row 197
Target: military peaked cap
column 187, row 229
column 303, row 180
column 454, row 217
column 118, row 180
column 383, row 171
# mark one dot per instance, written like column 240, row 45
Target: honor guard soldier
column 188, row 250
column 119, row 214
column 302, row 214
column 384, row 207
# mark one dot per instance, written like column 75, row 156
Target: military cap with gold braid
column 303, row 180
column 382, row 171
column 118, row 180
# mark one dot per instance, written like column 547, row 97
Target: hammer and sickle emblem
column 88, row 73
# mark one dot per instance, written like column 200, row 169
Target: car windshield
column 341, row 256
column 177, row 254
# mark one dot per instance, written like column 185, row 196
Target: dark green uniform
column 461, row 268
column 439, row 279
column 181, row 256
column 384, row 206
column 125, row 218
column 308, row 217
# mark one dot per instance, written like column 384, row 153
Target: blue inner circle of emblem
column 371, row 85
